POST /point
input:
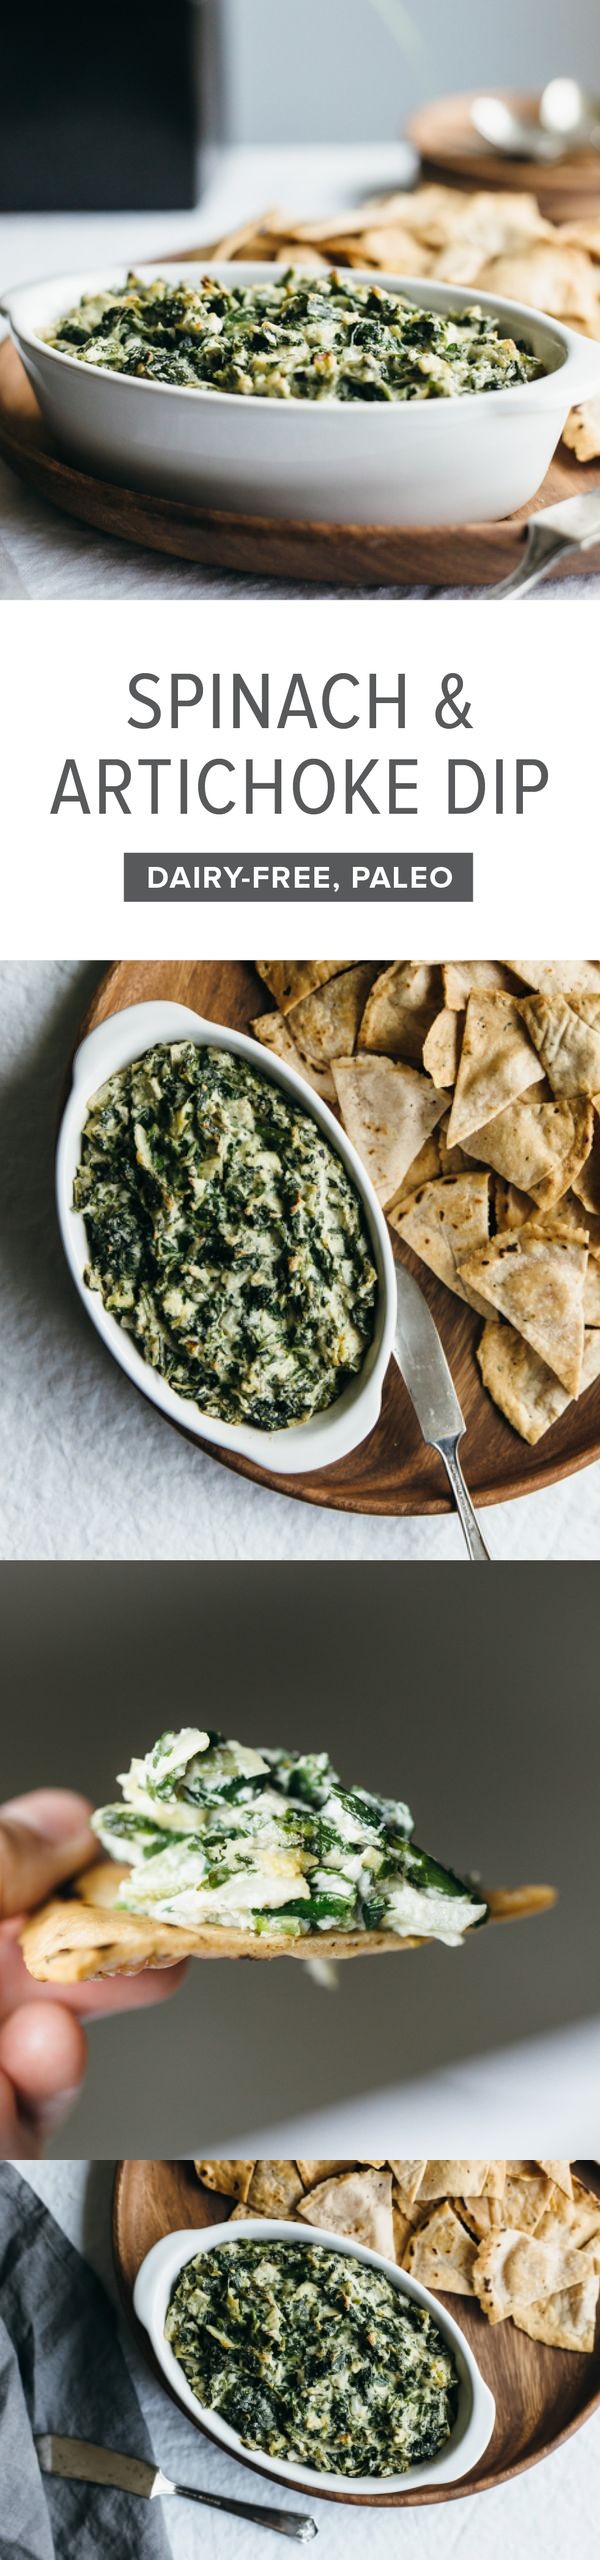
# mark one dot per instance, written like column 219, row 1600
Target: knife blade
column 423, row 1366
column 422, row 1361
column 68, row 2458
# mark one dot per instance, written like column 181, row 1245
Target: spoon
column 497, row 124
column 572, row 525
column 571, row 112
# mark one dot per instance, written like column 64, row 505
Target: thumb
column 44, row 1838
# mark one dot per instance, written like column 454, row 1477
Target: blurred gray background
column 475, row 1699
column 351, row 70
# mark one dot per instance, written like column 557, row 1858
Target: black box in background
column 100, row 105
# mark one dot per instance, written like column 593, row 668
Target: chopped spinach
column 226, row 1236
column 301, row 337
column 313, row 2357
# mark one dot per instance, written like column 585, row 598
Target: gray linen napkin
column 62, row 2372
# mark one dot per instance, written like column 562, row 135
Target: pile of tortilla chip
column 471, row 1091
column 498, row 243
column 521, row 2236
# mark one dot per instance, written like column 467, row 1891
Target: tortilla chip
column 446, row 1221
column 275, row 2188
column 481, row 2214
column 524, row 1390
column 289, row 980
column 388, row 1110
column 539, row 1146
column 512, row 2270
column 359, row 2204
column 272, row 1030
column 559, row 977
column 586, row 1184
column 578, row 2215
column 560, row 2173
column 565, row 2319
column 325, row 1024
column 582, row 431
column 512, row 1207
column 403, row 2231
column 537, row 1281
column 399, row 1010
column 497, row 1063
column 568, row 1047
column 452, row 1159
column 227, row 2177
column 407, row 2176
column 249, row 2213
column 426, row 1168
column 460, row 977
column 461, row 2178
column 527, row 2195
column 442, row 1047
column 591, row 1291
column 312, row 2171
column 442, row 2253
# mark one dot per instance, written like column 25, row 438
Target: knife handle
column 275, row 2519
column 475, row 1544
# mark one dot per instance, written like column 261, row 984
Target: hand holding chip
column 45, row 1839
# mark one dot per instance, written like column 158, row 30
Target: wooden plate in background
column 567, row 190
column 264, row 547
column 392, row 1473
column 542, row 2393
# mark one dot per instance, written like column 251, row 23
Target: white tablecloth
column 43, row 554
column 87, row 1468
column 552, row 2509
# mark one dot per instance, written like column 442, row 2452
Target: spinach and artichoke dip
column 225, row 1235
column 272, row 1842
column 299, row 337
column 313, row 2358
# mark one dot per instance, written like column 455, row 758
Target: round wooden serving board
column 392, row 1473
column 335, row 555
column 542, row 2393
column 449, row 148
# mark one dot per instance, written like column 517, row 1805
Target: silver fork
column 572, row 525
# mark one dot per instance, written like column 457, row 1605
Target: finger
column 44, row 1838
column 11, row 2131
column 43, row 2057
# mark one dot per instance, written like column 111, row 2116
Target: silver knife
column 66, row 2458
column 423, row 1365
column 572, row 525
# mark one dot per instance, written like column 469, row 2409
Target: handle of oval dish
column 97, row 1046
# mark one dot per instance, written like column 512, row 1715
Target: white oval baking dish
column 303, row 1445
column 476, row 2412
column 431, row 462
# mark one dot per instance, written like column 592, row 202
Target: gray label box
column 425, row 879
